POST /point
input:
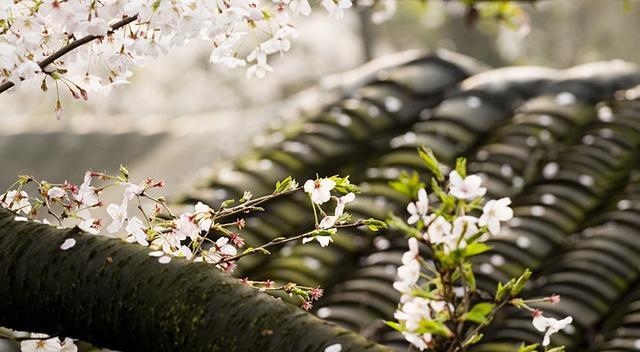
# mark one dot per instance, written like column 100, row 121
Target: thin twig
column 281, row 240
column 250, row 204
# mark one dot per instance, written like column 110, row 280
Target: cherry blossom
column 16, row 201
column 118, row 214
column 223, row 246
column 494, row 212
column 299, row 6
column 549, row 326
column 323, row 240
column 342, row 202
column 56, row 192
column 136, row 230
column 419, row 208
column 33, row 30
column 411, row 314
column 67, row 345
column 336, row 7
column 438, row 230
column 409, row 271
column 87, row 194
column 133, row 190
column 87, row 223
column 467, row 188
column 203, row 216
column 186, row 227
column 53, row 344
column 48, row 345
column 319, row 190
column 463, row 228
column 327, row 222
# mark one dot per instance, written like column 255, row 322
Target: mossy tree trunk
column 113, row 294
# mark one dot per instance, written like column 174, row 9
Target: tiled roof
column 564, row 144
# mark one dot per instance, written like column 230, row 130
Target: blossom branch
column 282, row 240
column 72, row 46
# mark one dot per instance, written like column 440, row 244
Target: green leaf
column 124, row 173
column 478, row 314
column 469, row 276
column 408, row 184
column 503, row 289
column 433, row 327
column 556, row 349
column 375, row 224
column 430, row 161
column 344, row 186
column 461, row 167
column 283, row 186
column 227, row 203
column 528, row 348
column 520, row 282
column 394, row 325
column 432, row 295
column 475, row 249
column 473, row 340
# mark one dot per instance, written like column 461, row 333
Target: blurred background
column 182, row 105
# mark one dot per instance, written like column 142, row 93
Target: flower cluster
column 91, row 46
column 191, row 234
column 201, row 234
column 440, row 306
column 320, row 192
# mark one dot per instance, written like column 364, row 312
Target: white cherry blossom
column 87, row 223
column 118, row 214
column 186, row 227
column 299, row 7
column 323, row 240
column 33, row 30
column 68, row 345
column 131, row 190
column 87, row 194
column 494, row 212
column 56, row 192
column 412, row 313
column 409, row 271
column 549, row 326
column 336, row 7
column 137, row 232
column 319, row 190
column 467, row 188
column 223, row 246
column 419, row 208
column 203, row 216
column 327, row 222
column 16, row 201
column 438, row 230
column 342, row 202
column 48, row 345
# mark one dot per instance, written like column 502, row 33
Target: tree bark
column 114, row 295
